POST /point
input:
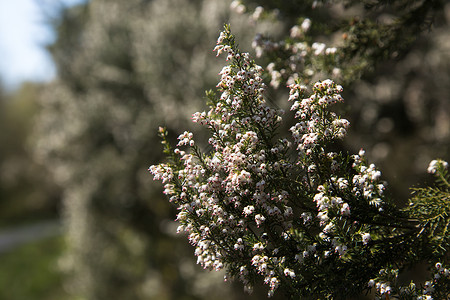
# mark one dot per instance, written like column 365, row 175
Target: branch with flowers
column 298, row 214
column 343, row 46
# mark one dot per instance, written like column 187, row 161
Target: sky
column 23, row 36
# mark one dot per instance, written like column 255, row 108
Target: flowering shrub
column 294, row 212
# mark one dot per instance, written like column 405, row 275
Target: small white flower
column 432, row 167
column 259, row 219
column 257, row 13
column 248, row 210
column 296, row 32
column 345, row 210
column 237, row 6
column 435, row 164
column 306, row 24
column 289, row 273
column 366, row 238
column 318, row 48
column 330, row 51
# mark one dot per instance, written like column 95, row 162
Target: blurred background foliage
column 125, row 68
column 78, row 148
column 26, row 190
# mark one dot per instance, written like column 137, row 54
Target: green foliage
column 431, row 207
column 26, row 191
column 31, row 271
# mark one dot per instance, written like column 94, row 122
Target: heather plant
column 297, row 212
column 391, row 55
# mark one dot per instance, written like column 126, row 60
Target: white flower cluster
column 435, row 165
column 238, row 7
column 303, row 59
column 317, row 123
column 387, row 284
column 367, row 183
column 162, row 172
column 383, row 284
column 299, row 31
